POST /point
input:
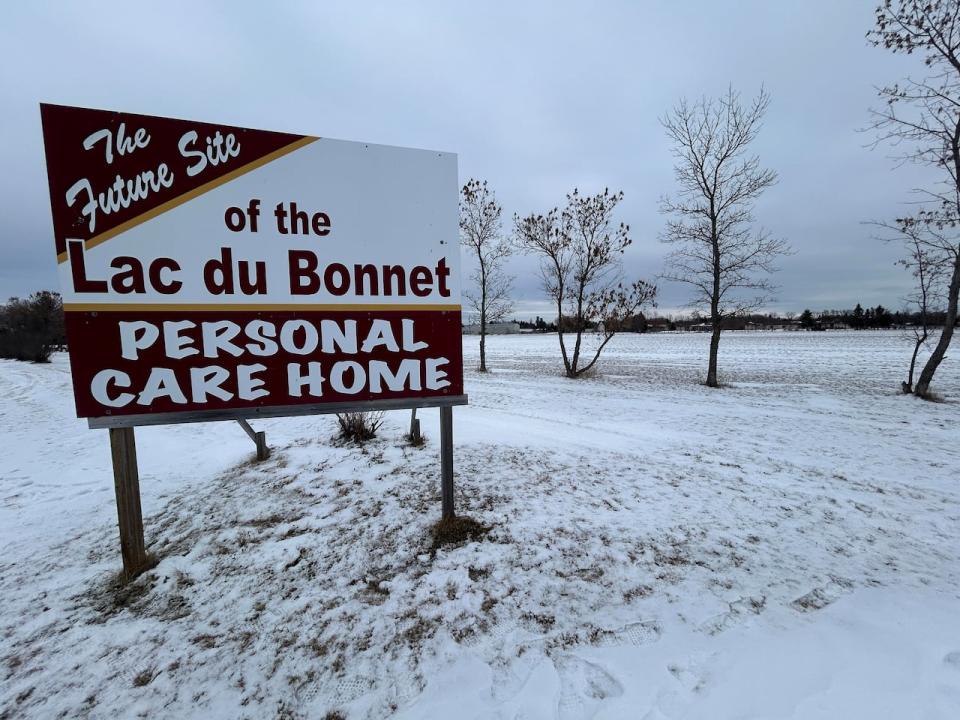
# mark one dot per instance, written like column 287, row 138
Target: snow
column 786, row 547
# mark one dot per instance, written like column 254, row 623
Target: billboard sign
column 211, row 271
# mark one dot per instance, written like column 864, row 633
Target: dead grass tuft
column 120, row 592
column 477, row 574
column 359, row 427
column 143, row 678
column 418, row 441
column 456, row 531
column 640, row 591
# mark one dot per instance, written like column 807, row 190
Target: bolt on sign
column 217, row 272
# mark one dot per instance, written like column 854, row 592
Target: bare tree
column 580, row 249
column 481, row 231
column 717, row 250
column 927, row 272
column 924, row 260
column 922, row 119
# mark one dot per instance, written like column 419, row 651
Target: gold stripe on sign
column 191, row 194
column 225, row 307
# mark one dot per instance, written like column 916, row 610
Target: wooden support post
column 446, row 462
column 259, row 439
column 263, row 452
column 126, row 482
column 414, row 427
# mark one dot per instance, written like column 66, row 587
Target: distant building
column 502, row 328
column 834, row 325
column 658, row 325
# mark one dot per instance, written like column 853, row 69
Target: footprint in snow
column 688, row 677
column 402, row 690
column 583, row 687
column 672, row 701
column 406, row 688
column 635, row 634
column 693, row 674
column 738, row 609
column 641, row 633
column 307, row 691
column 502, row 630
column 820, row 597
column 510, row 676
column 337, row 693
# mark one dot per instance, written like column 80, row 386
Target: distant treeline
column 860, row 319
column 857, row 318
column 31, row 329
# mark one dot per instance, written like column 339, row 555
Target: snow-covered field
column 787, row 547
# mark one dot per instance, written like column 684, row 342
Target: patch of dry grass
column 456, row 531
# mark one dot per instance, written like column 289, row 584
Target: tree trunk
column 563, row 347
column 714, row 347
column 921, row 338
column 578, row 321
column 715, row 318
column 483, row 318
column 483, row 340
column 939, row 352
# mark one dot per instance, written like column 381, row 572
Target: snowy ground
column 788, row 547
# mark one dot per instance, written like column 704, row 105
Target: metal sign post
column 446, row 463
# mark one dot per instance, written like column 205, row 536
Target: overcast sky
column 534, row 97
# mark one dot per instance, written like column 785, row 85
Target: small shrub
column 21, row 345
column 359, row 426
